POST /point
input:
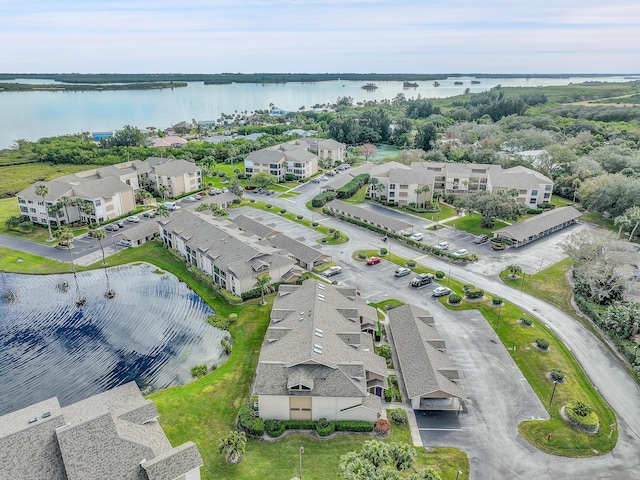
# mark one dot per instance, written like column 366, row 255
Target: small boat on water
column 436, row 84
column 475, row 82
column 410, row 84
column 458, row 83
column 369, row 86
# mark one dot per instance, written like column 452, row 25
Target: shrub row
column 412, row 207
column 320, row 200
column 248, row 422
column 407, row 240
column 323, row 427
column 350, row 189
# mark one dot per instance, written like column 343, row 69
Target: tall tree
column 493, row 206
column 65, row 234
column 42, row 191
column 368, row 150
column 99, row 234
column 426, row 137
column 164, row 191
column 629, row 221
column 262, row 283
column 127, row 137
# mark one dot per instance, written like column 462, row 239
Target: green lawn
column 359, row 197
column 471, row 224
column 566, row 440
column 597, row 219
column 18, row 177
column 205, row 410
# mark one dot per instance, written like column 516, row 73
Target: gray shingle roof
column 103, row 437
column 176, row 167
column 224, row 242
column 539, row 223
column 140, row 231
column 265, row 155
column 369, row 216
column 296, row 248
column 254, row 226
column 310, row 340
column 425, row 369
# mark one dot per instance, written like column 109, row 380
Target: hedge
column 248, row 422
column 399, row 416
column 324, row 427
column 396, row 236
column 274, row 428
column 320, row 200
column 353, row 426
column 350, row 189
column 574, row 410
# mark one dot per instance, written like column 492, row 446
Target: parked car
column 481, row 238
column 441, row 291
column 225, row 190
column 133, row 219
column 150, row 213
column 373, row 260
column 120, row 224
column 330, row 173
column 443, row 245
column 315, row 180
column 422, row 280
column 417, row 237
column 323, row 178
column 215, row 191
column 460, row 252
column 194, row 198
column 331, row 271
column 402, row 272
column 125, row 242
column 112, row 227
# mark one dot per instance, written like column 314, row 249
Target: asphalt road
column 498, row 396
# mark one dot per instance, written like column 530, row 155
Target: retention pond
column 152, row 331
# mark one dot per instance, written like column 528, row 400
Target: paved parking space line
column 373, row 294
column 440, row 429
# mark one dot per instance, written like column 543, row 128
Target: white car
column 133, row 219
column 461, row 252
column 194, row 198
column 443, row 245
column 125, row 242
column 324, row 179
column 331, row 271
column 417, row 237
column 402, row 271
column 440, row 292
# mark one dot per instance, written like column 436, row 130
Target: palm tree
column 100, row 235
column 66, row 202
column 42, row 191
column 55, row 210
column 232, row 446
column 375, row 452
column 418, row 191
column 262, row 283
column 402, row 455
column 65, row 234
column 162, row 210
column 514, row 270
column 164, row 190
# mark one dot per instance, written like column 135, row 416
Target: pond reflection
column 153, row 331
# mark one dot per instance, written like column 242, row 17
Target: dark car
column 481, row 238
column 421, row 280
column 112, row 227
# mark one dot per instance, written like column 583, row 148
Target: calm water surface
column 33, row 115
column 153, row 332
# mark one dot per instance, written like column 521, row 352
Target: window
column 547, row 195
column 534, row 193
column 274, row 165
column 547, row 188
column 392, row 194
column 32, row 210
column 98, row 203
column 392, row 186
column 22, row 200
column 532, row 201
column 404, row 187
column 24, row 209
column 248, row 170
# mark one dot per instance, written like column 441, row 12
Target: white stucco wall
column 273, row 407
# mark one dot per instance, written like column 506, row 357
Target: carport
column 430, row 379
column 539, row 226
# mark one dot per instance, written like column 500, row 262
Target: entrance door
column 299, row 408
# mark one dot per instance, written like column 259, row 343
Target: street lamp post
column 498, row 321
column 301, row 452
column 555, row 383
column 458, row 473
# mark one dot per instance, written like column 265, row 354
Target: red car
column 373, row 260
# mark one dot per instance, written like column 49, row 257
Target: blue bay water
column 37, row 114
column 153, row 332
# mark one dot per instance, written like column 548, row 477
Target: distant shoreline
column 125, row 81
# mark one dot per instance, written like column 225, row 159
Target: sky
column 313, row 36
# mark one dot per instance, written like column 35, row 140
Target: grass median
column 205, row 410
column 535, row 365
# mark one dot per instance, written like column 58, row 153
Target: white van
column 170, row 205
column 417, row 237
